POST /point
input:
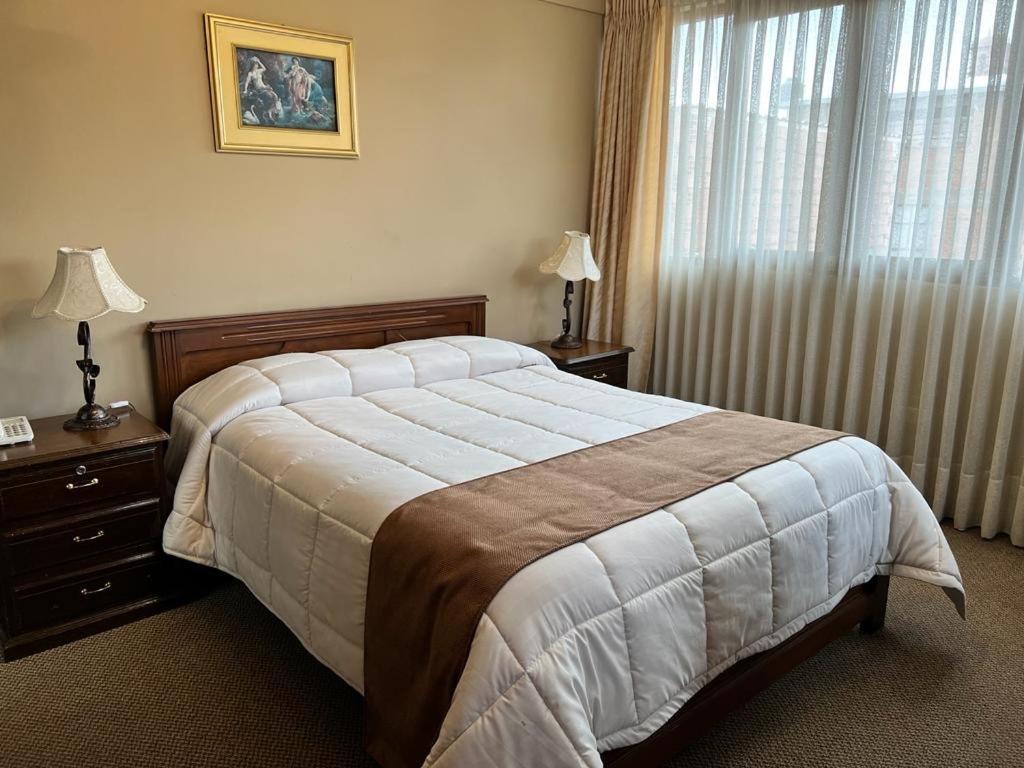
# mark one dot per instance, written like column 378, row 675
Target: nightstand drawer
column 71, row 484
column 616, row 375
column 93, row 536
column 595, row 360
column 98, row 591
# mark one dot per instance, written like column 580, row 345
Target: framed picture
column 279, row 90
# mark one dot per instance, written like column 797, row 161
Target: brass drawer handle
column 87, row 592
column 599, row 376
column 98, row 535
column 73, row 487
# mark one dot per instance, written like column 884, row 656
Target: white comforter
column 286, row 467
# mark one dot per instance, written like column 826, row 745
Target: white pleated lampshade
column 85, row 286
column 573, row 260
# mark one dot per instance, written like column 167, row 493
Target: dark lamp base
column 90, row 417
column 567, row 341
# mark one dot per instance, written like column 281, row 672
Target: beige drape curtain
column 626, row 202
column 815, row 211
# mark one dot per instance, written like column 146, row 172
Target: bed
column 295, row 435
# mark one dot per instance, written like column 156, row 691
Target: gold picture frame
column 281, row 90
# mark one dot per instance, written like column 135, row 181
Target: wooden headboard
column 185, row 351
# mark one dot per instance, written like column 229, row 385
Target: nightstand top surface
column 590, row 351
column 52, row 442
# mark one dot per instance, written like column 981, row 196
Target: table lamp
column 572, row 261
column 84, row 287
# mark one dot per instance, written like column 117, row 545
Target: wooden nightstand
column 80, row 521
column 597, row 360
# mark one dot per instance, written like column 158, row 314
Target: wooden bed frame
column 185, row 351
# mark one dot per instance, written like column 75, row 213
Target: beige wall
column 594, row 6
column 476, row 122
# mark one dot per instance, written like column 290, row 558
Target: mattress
column 286, row 466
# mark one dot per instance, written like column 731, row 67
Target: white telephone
column 15, row 430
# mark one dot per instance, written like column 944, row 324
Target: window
column 860, row 130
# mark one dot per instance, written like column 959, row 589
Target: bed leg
column 878, row 597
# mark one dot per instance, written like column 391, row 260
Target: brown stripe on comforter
column 438, row 560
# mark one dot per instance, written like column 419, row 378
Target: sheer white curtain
column 843, row 221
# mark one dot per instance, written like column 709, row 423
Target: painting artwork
column 280, row 90
column 286, row 91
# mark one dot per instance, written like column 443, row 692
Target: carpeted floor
column 221, row 683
